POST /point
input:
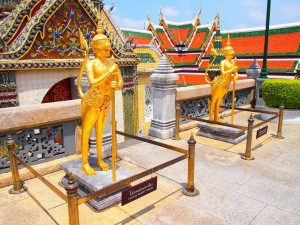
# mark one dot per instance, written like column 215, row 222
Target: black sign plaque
column 261, row 132
column 139, row 190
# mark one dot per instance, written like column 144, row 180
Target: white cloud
column 129, row 23
column 257, row 15
column 290, row 11
column 252, row 3
column 169, row 11
column 241, row 25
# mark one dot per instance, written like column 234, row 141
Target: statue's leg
column 212, row 109
column 100, row 125
column 212, row 101
column 221, row 94
column 88, row 120
column 217, row 109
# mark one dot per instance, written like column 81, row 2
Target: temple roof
column 145, row 49
column 284, row 40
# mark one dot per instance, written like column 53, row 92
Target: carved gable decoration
column 61, row 34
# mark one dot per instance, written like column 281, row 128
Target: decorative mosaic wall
column 40, row 145
column 129, row 114
column 8, row 94
column 199, row 107
column 129, row 100
column 61, row 36
column 148, row 103
column 145, row 103
column 34, row 84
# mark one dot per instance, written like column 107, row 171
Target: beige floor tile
column 24, row 212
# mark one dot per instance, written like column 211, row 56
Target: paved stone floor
column 232, row 191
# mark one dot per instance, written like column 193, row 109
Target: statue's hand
column 114, row 84
column 113, row 68
column 235, row 69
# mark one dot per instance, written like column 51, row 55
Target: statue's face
column 229, row 53
column 101, row 48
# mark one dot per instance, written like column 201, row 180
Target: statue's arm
column 222, row 68
column 119, row 79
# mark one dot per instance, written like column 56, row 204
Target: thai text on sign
column 139, row 190
column 261, row 132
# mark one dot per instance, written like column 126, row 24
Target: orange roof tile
column 183, row 58
column 180, row 34
column 280, row 64
column 140, row 40
column 198, row 40
column 278, row 43
column 166, row 42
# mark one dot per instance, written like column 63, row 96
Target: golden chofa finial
column 200, row 12
column 161, row 16
column 149, row 18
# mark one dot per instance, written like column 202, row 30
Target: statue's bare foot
column 102, row 165
column 88, row 170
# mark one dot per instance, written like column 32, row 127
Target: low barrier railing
column 249, row 128
column 72, row 199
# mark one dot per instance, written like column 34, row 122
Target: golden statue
column 104, row 78
column 220, row 84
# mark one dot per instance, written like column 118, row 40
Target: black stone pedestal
column 222, row 133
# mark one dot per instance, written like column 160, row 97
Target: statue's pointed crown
column 100, row 31
column 228, row 46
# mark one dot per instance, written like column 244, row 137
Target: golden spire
column 217, row 18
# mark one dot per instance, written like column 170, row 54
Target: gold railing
column 249, row 128
column 71, row 186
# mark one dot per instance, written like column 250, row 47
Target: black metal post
column 264, row 70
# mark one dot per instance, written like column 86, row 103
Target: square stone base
column 222, row 133
column 89, row 184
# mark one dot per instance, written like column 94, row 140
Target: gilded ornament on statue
column 104, row 78
column 220, row 84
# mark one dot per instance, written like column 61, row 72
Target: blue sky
column 235, row 14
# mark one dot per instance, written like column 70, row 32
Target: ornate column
column 253, row 73
column 163, row 82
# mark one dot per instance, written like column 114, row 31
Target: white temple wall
column 32, row 85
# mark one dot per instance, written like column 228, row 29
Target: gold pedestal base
column 193, row 193
column 247, row 158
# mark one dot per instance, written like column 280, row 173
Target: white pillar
column 163, row 82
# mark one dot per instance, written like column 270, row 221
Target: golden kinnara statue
column 104, row 78
column 220, row 84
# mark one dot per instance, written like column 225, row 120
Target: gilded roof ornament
column 161, row 16
column 217, row 19
column 198, row 17
column 150, row 22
